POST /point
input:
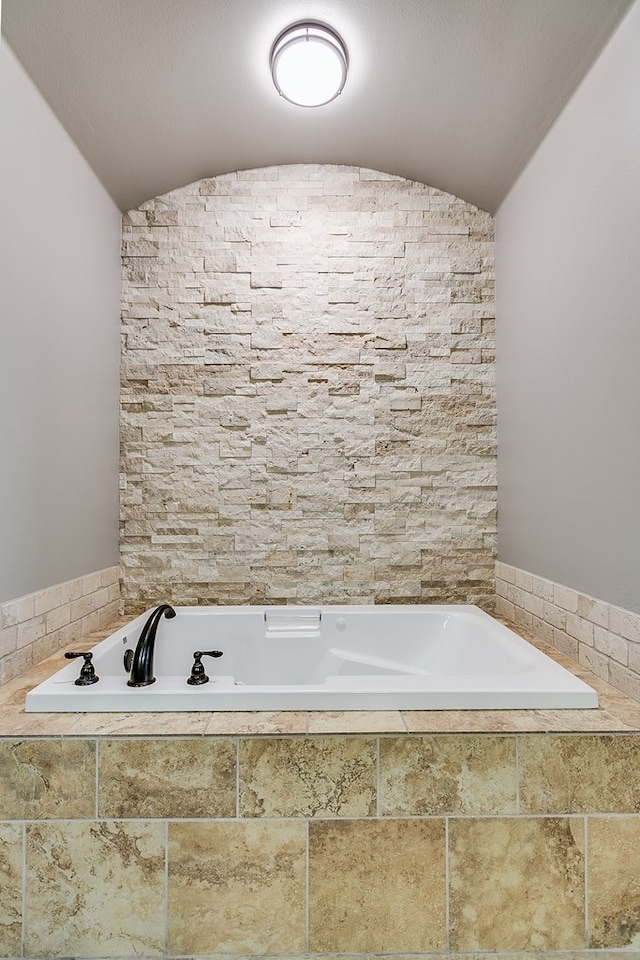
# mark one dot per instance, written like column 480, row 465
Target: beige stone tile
column 174, row 777
column 377, row 886
column 516, row 884
column 245, row 723
column 47, row 779
column 447, row 774
column 10, row 889
column 516, row 721
column 614, row 882
column 356, row 721
column 579, row 774
column 140, row 724
column 237, row 887
column 14, row 722
column 308, row 777
column 95, row 889
column 533, row 955
column 465, row 721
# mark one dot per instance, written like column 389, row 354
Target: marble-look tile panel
column 516, row 884
column 237, row 887
column 614, row 882
column 14, row 722
column 447, row 775
column 511, row 721
column 257, row 722
column 377, row 886
column 47, row 779
column 356, row 721
column 139, row 724
column 95, row 889
column 177, row 777
column 579, row 774
column 498, row 955
column 512, row 955
column 308, row 777
column 10, row 889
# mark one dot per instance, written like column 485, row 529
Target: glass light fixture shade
column 309, row 64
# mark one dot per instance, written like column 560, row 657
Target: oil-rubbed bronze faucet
column 142, row 664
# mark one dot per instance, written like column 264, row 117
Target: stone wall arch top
column 308, row 402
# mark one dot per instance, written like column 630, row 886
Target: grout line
column 166, row 887
column 378, row 781
column 585, row 836
column 97, row 780
column 446, row 884
column 517, row 758
column 237, row 778
column 307, row 889
column 23, row 931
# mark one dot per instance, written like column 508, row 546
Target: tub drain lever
column 198, row 675
column 87, row 670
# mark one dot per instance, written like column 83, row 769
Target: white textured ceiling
column 454, row 93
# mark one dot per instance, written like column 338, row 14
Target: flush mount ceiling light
column 309, row 64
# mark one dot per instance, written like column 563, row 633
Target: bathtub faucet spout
column 142, row 664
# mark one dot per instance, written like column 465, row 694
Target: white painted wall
column 568, row 307
column 59, row 347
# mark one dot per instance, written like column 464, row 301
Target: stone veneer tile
column 47, row 779
column 447, row 774
column 10, row 889
column 311, row 777
column 299, row 444
column 516, row 884
column 614, row 882
column 167, row 778
column 579, row 774
column 377, row 886
column 95, row 889
column 237, row 887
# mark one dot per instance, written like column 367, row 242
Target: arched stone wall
column 308, row 392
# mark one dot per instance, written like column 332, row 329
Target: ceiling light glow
column 309, row 64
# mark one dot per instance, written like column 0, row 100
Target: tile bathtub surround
column 600, row 636
column 517, row 884
column 461, row 843
column 448, row 774
column 94, row 888
column 237, row 887
column 36, row 625
column 314, row 777
column 11, row 859
column 307, row 402
column 377, row 886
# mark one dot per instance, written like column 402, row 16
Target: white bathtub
column 323, row 658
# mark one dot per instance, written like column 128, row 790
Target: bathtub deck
column 616, row 713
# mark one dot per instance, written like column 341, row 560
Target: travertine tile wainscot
column 601, row 636
column 35, row 625
column 209, row 835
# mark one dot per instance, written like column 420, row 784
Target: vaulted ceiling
column 454, row 93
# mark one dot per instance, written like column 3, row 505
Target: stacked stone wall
column 308, row 392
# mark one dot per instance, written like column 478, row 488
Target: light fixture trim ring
column 309, row 31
